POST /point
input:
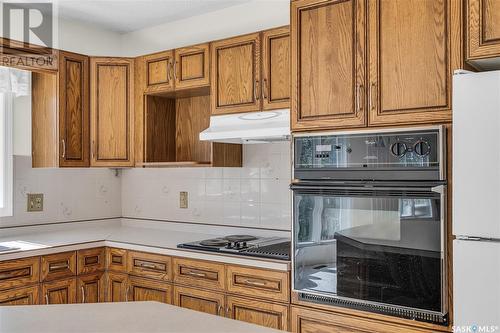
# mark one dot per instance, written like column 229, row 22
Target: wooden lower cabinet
column 19, row 273
column 91, row 288
column 257, row 312
column 59, row 292
column 149, row 290
column 21, row 296
column 200, row 300
column 116, row 287
column 305, row 320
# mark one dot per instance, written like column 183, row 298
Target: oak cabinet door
column 412, row 59
column 276, row 69
column 112, row 98
column 257, row 312
column 328, row 64
column 116, row 287
column 199, row 300
column 236, row 75
column 483, row 29
column 20, row 296
column 192, row 67
column 59, row 292
column 159, row 71
column 91, row 288
column 149, row 290
column 74, row 110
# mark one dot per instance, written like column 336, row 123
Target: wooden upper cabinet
column 483, row 29
column 328, row 64
column 276, row 69
column 413, row 51
column 235, row 85
column 112, row 100
column 159, row 71
column 192, row 66
column 74, row 111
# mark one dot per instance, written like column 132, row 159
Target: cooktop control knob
column 399, row 149
column 422, row 148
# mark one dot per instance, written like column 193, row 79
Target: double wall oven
column 369, row 229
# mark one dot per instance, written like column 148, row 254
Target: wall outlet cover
column 183, row 199
column 35, row 202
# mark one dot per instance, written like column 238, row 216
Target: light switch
column 183, row 199
column 35, row 202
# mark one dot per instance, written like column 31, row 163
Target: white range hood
column 248, row 128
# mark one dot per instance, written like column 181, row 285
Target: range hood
column 249, row 128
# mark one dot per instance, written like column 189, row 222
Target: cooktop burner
column 240, row 238
column 217, row 242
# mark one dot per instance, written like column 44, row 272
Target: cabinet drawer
column 153, row 266
column 199, row 273
column 142, row 290
column 116, row 260
column 59, row 265
column 21, row 296
column 91, row 260
column 260, row 283
column 20, row 272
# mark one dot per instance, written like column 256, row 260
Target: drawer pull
column 147, row 265
column 197, row 274
column 254, row 283
column 117, row 259
column 92, row 260
column 58, row 266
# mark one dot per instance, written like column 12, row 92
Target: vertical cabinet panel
column 149, row 290
column 199, row 300
column 257, row 312
column 74, row 111
column 483, row 29
column 91, row 288
column 236, row 74
column 192, row 66
column 328, row 64
column 276, row 68
column 116, row 287
column 59, row 292
column 20, row 296
column 112, row 99
column 410, row 65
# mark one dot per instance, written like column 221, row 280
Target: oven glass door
column 375, row 245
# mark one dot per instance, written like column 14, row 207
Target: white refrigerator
column 476, row 200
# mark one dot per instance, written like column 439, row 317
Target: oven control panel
column 360, row 152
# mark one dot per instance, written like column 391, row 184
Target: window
column 13, row 83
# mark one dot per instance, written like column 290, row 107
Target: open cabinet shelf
column 172, row 125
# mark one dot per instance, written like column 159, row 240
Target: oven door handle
column 437, row 189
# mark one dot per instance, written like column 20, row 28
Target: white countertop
column 117, row 317
column 148, row 236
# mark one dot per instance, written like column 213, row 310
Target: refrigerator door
column 476, row 287
column 476, row 154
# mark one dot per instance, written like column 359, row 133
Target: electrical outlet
column 183, row 199
column 35, row 202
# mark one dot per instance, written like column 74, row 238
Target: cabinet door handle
column 265, row 92
column 359, row 93
column 255, row 94
column 93, row 149
column 126, row 293
column 219, row 308
column 63, row 148
column 227, row 311
column 169, row 69
column 175, row 70
column 255, row 283
column 372, row 87
column 47, row 299
column 83, row 294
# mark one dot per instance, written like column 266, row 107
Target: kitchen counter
column 139, row 235
column 117, row 317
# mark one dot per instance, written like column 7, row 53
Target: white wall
column 232, row 21
column 21, row 107
column 256, row 195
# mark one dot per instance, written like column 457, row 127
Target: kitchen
column 251, row 166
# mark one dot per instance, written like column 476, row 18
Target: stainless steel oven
column 369, row 229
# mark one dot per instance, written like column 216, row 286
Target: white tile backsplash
column 256, row 195
column 70, row 194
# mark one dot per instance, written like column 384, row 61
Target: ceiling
column 125, row 16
